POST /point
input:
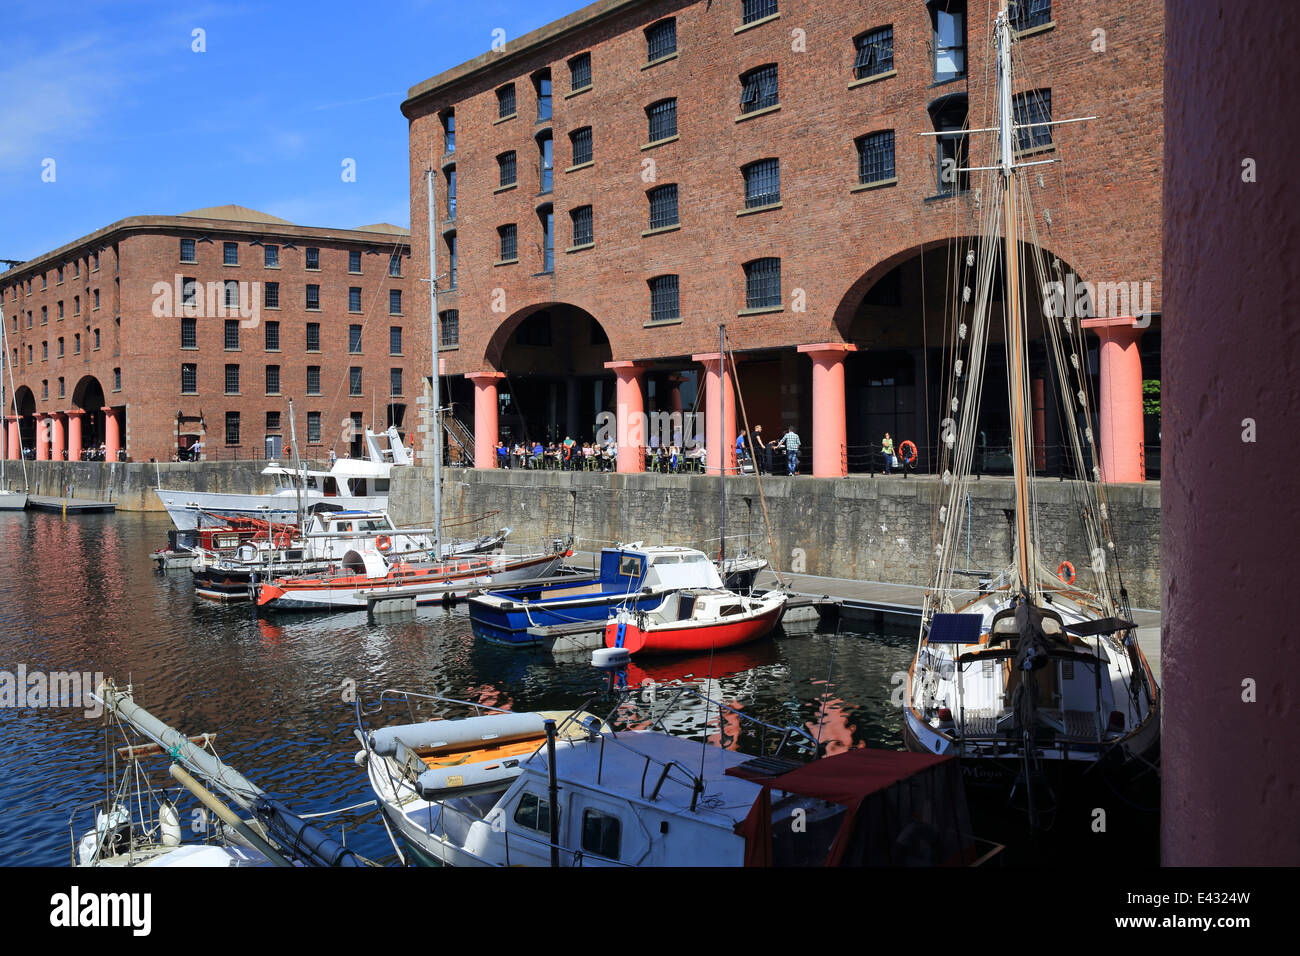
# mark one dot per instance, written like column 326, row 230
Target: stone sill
column 1034, row 31
column 762, row 311
column 758, row 209
column 448, row 348
column 756, row 23
column 654, row 324
column 660, row 142
column 577, row 92
column 506, row 189
column 1046, row 148
column 587, row 245
column 763, row 112
column 590, row 162
column 874, row 78
column 662, row 59
column 504, row 119
column 878, row 184
column 662, row 229
column 507, row 262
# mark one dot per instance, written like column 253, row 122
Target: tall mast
column 1015, row 341
column 722, row 451
column 435, row 394
column 302, row 468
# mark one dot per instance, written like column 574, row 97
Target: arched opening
column 899, row 314
column 556, row 382
column 89, row 397
column 26, row 403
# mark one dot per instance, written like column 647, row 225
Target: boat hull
column 688, row 638
column 507, row 623
column 13, row 500
column 186, row 507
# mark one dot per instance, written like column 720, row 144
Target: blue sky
column 138, row 123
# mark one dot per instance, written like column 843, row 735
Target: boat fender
column 361, row 758
column 169, row 822
column 610, row 658
column 1063, row 569
column 382, row 543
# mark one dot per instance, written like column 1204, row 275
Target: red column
column 485, row 417
column 74, row 435
column 1120, row 415
column 829, row 432
column 42, row 437
column 14, row 442
column 59, row 448
column 112, row 434
column 717, row 434
column 631, row 416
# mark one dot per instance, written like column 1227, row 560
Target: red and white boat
column 364, row 575
column 694, row 620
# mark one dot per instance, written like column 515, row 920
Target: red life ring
column 382, row 543
column 1062, row 568
column 910, row 459
column 282, row 540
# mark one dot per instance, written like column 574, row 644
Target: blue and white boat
column 630, row 576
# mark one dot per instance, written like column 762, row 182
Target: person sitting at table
column 609, row 455
column 674, row 456
column 502, row 461
column 538, row 453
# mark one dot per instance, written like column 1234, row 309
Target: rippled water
column 81, row 595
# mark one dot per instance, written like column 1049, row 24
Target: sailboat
column 1033, row 679
column 9, row 500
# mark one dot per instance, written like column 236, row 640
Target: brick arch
column 88, row 394
column 495, row 349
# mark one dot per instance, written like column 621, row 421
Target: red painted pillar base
column 112, row 434
column 485, row 418
column 74, row 435
column 42, row 437
column 717, row 434
column 1120, row 443
column 631, row 416
column 830, row 436
column 59, row 450
column 13, row 435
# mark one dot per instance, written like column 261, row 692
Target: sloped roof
column 232, row 213
column 387, row 227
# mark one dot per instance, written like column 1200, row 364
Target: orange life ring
column 382, row 543
column 910, row 459
column 1062, row 568
column 282, row 540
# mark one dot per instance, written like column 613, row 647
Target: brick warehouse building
column 157, row 332
column 614, row 185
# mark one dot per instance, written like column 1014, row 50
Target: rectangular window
column 313, row 336
column 271, row 257
column 273, row 421
column 232, row 335
column 661, row 40
column 273, row 380
column 543, row 87
column 876, row 157
column 752, row 10
column 451, row 193
column 354, row 299
column 875, row 53
column 948, row 18
column 76, row 344
column 60, row 386
column 95, row 269
column 580, row 72
column 395, row 340
column 313, row 428
column 763, row 284
column 189, row 379
column 230, row 253
column 509, row 235
column 534, row 813
column 354, row 380
column 76, row 305
column 354, row 339
column 96, row 298
column 663, row 206
column 1033, row 107
column 1027, row 14
column 664, row 302
column 232, row 294
column 96, row 338
column 663, row 120
column 271, row 295
column 762, row 183
column 506, row 167
column 581, row 140
column 546, row 147
column 313, row 379
column 449, row 327
column 395, row 264
column 395, row 381
column 547, row 217
column 232, row 428
column 189, row 332
column 232, row 379
column 60, row 308
column 602, row 833
column 187, row 250
column 394, row 301
column 451, row 268
column 273, row 336
column 506, row 101
column 60, row 346
column 449, row 130
column 313, row 258
column 313, row 297
column 758, row 89
column 354, row 260
column 582, row 227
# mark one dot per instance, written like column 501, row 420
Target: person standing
column 887, row 452
column 740, row 453
column 791, row 442
column 333, row 458
column 760, row 452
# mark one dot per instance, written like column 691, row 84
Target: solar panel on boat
column 1104, row 625
column 955, row 629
